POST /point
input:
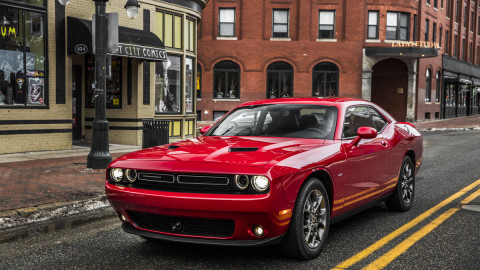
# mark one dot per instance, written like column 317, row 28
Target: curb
column 30, row 222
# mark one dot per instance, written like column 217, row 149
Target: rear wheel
column 310, row 222
column 403, row 195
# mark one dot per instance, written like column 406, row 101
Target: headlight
column 241, row 181
column 260, row 183
column 116, row 174
column 131, row 175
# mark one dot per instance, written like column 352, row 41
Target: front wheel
column 310, row 222
column 403, row 195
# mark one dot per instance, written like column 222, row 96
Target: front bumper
column 270, row 212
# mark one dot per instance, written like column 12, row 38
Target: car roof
column 317, row 101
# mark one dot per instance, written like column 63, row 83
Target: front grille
column 203, row 180
column 155, row 177
column 181, row 225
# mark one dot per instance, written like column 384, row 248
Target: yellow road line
column 388, row 257
column 380, row 243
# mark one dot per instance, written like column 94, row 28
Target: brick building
column 47, row 72
column 419, row 59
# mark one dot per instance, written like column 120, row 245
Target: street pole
column 99, row 156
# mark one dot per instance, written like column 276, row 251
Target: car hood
column 249, row 151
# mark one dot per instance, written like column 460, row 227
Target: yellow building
column 47, row 76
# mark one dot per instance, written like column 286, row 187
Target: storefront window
column 189, row 83
column 199, row 81
column 226, row 80
column 168, row 86
column 22, row 62
column 113, row 85
column 279, row 80
column 325, row 80
column 428, row 86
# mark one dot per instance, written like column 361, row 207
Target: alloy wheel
column 314, row 219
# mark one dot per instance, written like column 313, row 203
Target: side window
column 378, row 121
column 355, row 117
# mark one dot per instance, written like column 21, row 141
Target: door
column 76, row 103
column 368, row 163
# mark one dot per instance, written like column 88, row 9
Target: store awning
column 133, row 43
column 414, row 52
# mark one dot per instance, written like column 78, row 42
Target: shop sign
column 416, row 44
column 136, row 51
column 81, row 49
column 8, row 31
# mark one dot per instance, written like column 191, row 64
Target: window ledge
column 226, row 99
column 226, row 38
column 372, row 40
column 326, row 40
column 428, row 102
column 280, row 39
column 199, row 99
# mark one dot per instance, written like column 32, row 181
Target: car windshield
column 279, row 120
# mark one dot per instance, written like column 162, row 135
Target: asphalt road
column 445, row 237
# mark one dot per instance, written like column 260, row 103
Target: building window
column 457, row 14
column 397, row 26
column 226, row 22
column 190, row 43
column 446, row 43
column 447, row 9
column 199, row 81
column 428, row 2
column 478, row 55
column 435, row 3
column 280, row 23
column 218, row 114
column 434, row 32
column 441, row 3
column 372, row 32
column 113, row 85
column 437, row 92
column 472, row 16
column 415, row 26
column 325, row 80
column 427, row 24
column 440, row 33
column 279, row 80
column 428, row 86
column 464, row 56
column 168, row 27
column 22, row 57
column 455, row 45
column 470, row 53
column 465, row 16
column 226, row 77
column 326, row 24
column 189, row 84
column 168, row 85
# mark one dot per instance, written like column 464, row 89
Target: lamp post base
column 99, row 156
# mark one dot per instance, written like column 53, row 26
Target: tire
column 310, row 222
column 404, row 193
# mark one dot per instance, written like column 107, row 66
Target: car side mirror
column 204, row 129
column 364, row 133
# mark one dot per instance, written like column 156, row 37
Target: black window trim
column 292, row 71
column 288, row 22
column 398, row 27
column 226, row 81
column 334, row 22
column 234, row 21
column 314, row 72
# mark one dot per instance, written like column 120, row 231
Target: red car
column 271, row 171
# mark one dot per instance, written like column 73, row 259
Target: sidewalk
column 41, row 192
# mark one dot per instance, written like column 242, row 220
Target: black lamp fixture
column 132, row 8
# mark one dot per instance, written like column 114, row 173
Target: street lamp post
column 99, row 156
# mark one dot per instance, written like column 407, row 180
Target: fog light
column 131, row 175
column 260, row 183
column 116, row 174
column 123, row 218
column 241, row 181
column 258, row 231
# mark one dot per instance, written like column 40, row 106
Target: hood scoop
column 242, row 149
column 173, row 147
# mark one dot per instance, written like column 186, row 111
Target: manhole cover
column 472, row 207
